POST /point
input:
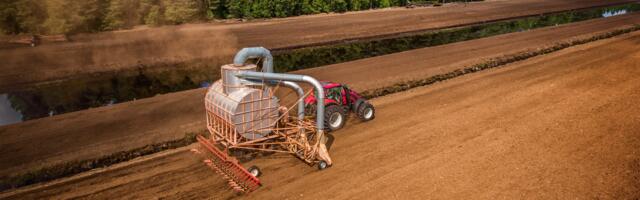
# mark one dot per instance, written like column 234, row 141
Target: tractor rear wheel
column 334, row 117
column 366, row 112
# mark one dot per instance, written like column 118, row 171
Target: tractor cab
column 335, row 94
column 339, row 100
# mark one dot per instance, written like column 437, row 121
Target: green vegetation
column 72, row 16
column 283, row 8
column 21, row 16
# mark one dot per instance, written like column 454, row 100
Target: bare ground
column 559, row 126
column 103, row 131
column 127, row 50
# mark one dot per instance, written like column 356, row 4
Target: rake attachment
column 238, row 178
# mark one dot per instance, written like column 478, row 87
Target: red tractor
column 339, row 100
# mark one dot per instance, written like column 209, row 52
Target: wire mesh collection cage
column 247, row 115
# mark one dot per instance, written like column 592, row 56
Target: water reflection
column 205, row 84
column 43, row 102
column 8, row 115
column 611, row 13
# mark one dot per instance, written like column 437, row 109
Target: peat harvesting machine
column 243, row 113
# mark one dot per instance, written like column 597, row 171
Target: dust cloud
column 109, row 51
column 161, row 45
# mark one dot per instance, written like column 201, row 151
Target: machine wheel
column 366, row 112
column 355, row 106
column 254, row 171
column 334, row 117
column 322, row 165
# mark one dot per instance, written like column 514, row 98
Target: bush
column 67, row 16
column 385, row 3
column 30, row 15
column 125, row 13
column 8, row 18
column 154, row 17
column 180, row 11
column 340, row 6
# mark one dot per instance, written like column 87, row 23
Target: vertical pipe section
column 295, row 78
column 294, row 86
column 300, row 92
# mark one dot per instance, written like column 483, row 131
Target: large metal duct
column 267, row 66
column 250, row 110
column 295, row 78
column 255, row 52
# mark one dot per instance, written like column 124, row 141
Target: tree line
column 285, row 8
column 73, row 16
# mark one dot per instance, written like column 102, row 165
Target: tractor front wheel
column 366, row 111
column 334, row 117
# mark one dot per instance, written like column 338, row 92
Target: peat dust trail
column 216, row 42
column 94, row 133
column 113, row 52
column 563, row 125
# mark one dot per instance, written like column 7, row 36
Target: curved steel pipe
column 267, row 66
column 294, row 86
column 295, row 78
column 253, row 52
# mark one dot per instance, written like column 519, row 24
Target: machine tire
column 334, row 117
column 254, row 171
column 366, row 112
column 357, row 104
column 322, row 165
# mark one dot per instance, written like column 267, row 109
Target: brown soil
column 103, row 131
column 124, row 50
column 559, row 126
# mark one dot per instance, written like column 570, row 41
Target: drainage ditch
column 110, row 88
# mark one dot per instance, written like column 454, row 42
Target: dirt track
column 103, row 131
column 107, row 52
column 559, row 126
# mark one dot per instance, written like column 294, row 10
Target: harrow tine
column 237, row 177
column 234, row 185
